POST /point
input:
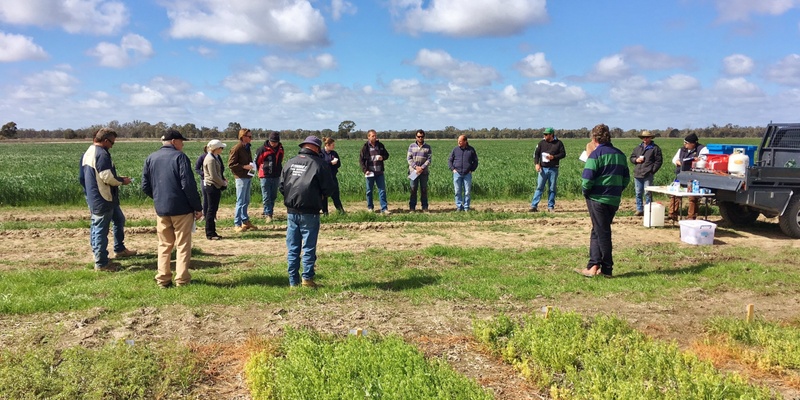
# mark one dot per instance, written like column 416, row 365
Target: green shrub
column 769, row 345
column 604, row 358
column 114, row 371
column 308, row 365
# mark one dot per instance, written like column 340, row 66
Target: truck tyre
column 790, row 220
column 737, row 214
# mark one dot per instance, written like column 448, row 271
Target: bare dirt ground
column 441, row 330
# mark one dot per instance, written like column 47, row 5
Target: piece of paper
column 583, row 156
column 252, row 170
column 369, row 174
column 545, row 157
column 413, row 174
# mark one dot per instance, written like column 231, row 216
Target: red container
column 717, row 162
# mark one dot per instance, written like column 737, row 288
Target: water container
column 738, row 162
column 657, row 215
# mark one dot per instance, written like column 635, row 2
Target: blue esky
column 400, row 64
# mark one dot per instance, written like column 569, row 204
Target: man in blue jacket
column 168, row 179
column 305, row 183
column 100, row 182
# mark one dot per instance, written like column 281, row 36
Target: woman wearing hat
column 683, row 159
column 214, row 183
column 647, row 160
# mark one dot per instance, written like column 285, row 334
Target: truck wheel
column 790, row 220
column 737, row 214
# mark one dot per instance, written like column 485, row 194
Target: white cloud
column 203, row 51
column 246, row 81
column 471, row 18
column 132, row 48
column 438, row 63
column 287, row 23
column 547, row 93
column 786, row 71
column 738, row 64
column 610, row 68
column 168, row 94
column 740, row 10
column 737, row 88
column 341, row 7
column 646, row 59
column 18, row 48
column 636, row 90
column 308, row 68
column 535, row 66
column 406, row 88
column 74, row 16
column 45, row 85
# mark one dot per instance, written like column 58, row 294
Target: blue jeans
column 421, row 184
column 639, row 184
column 550, row 176
column 98, row 234
column 301, row 232
column 462, row 184
column 242, row 201
column 269, row 192
column 380, row 181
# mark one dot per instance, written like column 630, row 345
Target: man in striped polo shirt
column 419, row 163
column 604, row 178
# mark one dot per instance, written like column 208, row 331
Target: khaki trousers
column 174, row 232
column 675, row 205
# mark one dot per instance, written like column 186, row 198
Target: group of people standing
column 308, row 180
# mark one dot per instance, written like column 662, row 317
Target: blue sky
column 400, row 64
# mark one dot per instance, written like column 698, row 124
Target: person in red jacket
column 269, row 160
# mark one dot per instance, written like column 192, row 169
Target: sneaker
column 309, row 283
column 214, row 237
column 125, row 253
column 249, row 225
column 166, row 285
column 386, row 212
column 268, row 219
column 372, row 210
column 638, row 214
column 110, row 267
column 182, row 284
column 533, row 209
column 240, row 229
column 550, row 209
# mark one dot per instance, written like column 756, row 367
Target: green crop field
column 47, row 173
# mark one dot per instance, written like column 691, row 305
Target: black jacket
column 304, row 181
column 167, row 178
column 554, row 148
column 366, row 162
column 653, row 160
column 686, row 157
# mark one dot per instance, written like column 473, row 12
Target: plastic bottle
column 675, row 186
column 695, row 186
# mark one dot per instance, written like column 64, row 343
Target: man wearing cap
column 547, row 155
column 371, row 158
column 691, row 151
column 167, row 178
column 269, row 160
column 100, row 182
column 305, row 181
column 214, row 183
column 647, row 160
column 241, row 164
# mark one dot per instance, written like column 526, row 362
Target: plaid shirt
column 419, row 156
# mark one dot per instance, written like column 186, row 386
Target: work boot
column 533, row 209
column 638, row 214
column 309, row 283
column 125, row 253
column 249, row 225
column 240, row 229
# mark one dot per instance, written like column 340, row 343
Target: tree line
column 347, row 130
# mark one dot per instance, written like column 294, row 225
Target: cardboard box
column 697, row 232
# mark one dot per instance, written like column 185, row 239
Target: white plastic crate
column 698, row 232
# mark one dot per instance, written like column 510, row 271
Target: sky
column 400, row 64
